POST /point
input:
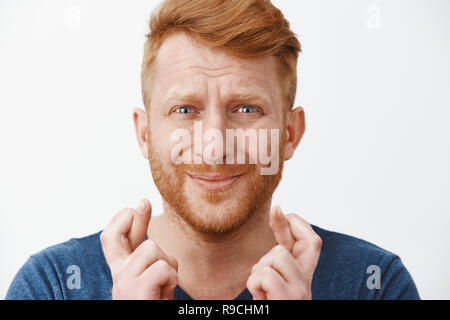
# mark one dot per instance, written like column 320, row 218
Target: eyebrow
column 177, row 95
column 248, row 96
column 235, row 96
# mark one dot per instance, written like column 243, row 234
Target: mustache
column 218, row 169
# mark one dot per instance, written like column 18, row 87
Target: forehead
column 182, row 63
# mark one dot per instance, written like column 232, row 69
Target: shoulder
column 74, row 269
column 352, row 268
column 73, row 251
column 338, row 245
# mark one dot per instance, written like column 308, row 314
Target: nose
column 213, row 137
column 215, row 119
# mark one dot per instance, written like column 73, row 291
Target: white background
column 374, row 79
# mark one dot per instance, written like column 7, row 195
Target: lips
column 214, row 183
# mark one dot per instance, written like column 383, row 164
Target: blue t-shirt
column 348, row 268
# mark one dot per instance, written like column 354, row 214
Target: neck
column 220, row 264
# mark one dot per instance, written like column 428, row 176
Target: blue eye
column 183, row 109
column 247, row 109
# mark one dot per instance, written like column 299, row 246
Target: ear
column 141, row 127
column 295, row 128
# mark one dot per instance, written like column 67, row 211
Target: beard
column 215, row 214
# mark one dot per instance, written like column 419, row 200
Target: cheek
column 160, row 134
column 270, row 140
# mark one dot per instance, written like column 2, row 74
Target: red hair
column 245, row 28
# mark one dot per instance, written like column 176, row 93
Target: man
column 214, row 69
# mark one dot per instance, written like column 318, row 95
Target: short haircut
column 244, row 28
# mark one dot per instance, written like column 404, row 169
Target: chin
column 218, row 220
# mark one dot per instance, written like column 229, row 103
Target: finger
column 146, row 254
column 161, row 276
column 282, row 261
column 140, row 223
column 307, row 246
column 258, row 294
column 269, row 281
column 173, row 262
column 255, row 287
column 115, row 244
column 167, row 292
column 281, row 229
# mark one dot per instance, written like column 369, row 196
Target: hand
column 139, row 268
column 286, row 271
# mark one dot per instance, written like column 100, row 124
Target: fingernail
column 141, row 205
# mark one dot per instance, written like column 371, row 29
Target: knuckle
column 251, row 281
column 162, row 267
column 267, row 272
column 166, row 267
column 150, row 245
column 267, row 277
column 317, row 242
column 292, row 217
column 249, row 284
column 103, row 237
column 279, row 251
column 278, row 248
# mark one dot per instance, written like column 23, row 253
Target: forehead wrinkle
column 226, row 63
column 205, row 86
column 203, row 67
column 230, row 88
column 210, row 72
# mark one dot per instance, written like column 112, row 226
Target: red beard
column 214, row 213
